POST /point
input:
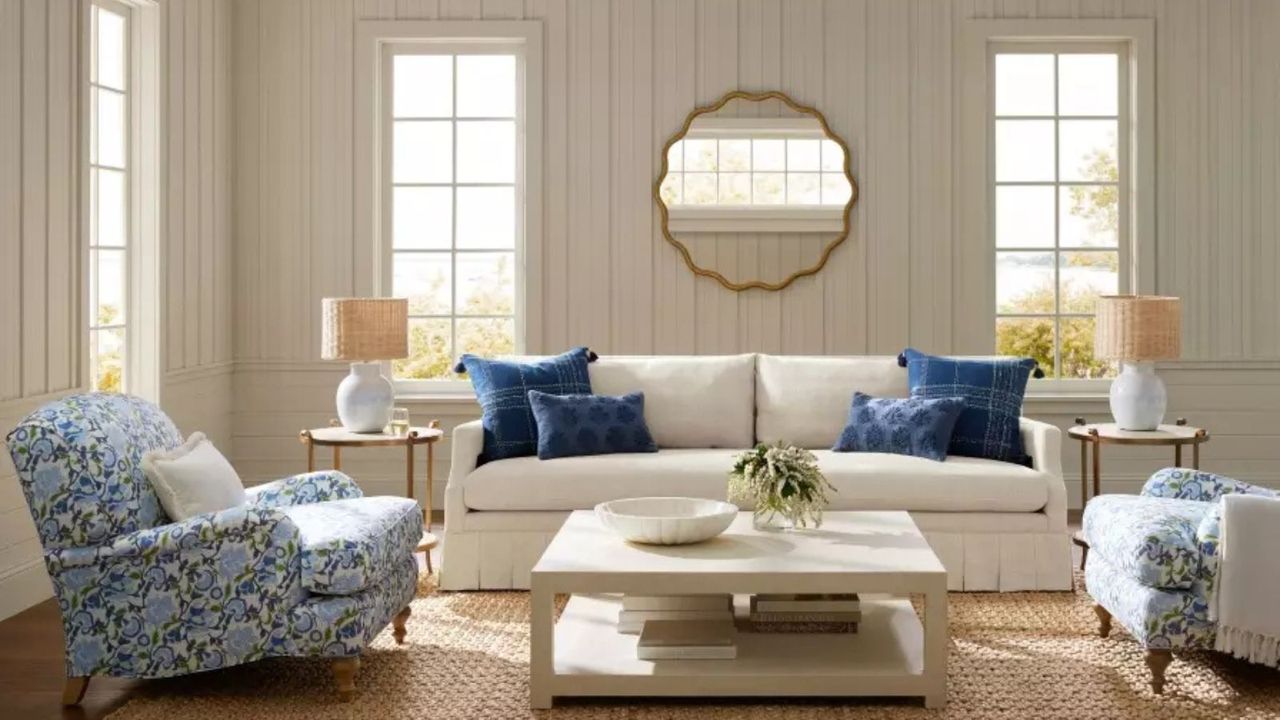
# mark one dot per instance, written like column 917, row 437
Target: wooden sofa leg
column 344, row 676
column 1158, row 660
column 1104, row 620
column 398, row 622
column 73, row 690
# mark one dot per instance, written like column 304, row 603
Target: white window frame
column 976, row 173
column 376, row 42
column 143, row 281
column 754, row 218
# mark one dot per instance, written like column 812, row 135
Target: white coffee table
column 892, row 654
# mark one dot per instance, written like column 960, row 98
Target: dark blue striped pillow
column 992, row 390
column 502, row 388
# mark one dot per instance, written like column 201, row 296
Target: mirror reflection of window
column 722, row 163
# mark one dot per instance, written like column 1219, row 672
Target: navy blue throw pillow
column 502, row 388
column 573, row 425
column 903, row 426
column 992, row 389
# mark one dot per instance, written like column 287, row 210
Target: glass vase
column 771, row 520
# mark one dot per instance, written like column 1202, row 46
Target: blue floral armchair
column 1153, row 560
column 306, row 567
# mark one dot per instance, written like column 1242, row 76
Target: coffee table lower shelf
column 884, row 658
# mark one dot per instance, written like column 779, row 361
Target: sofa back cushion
column 689, row 401
column 805, row 400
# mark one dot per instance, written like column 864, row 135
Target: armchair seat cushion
column 1152, row 540
column 348, row 545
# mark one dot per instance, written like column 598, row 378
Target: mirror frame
column 827, row 250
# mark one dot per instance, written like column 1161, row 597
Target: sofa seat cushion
column 863, row 481
column 1152, row 540
column 349, row 545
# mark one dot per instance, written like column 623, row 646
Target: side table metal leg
column 1084, row 473
column 1097, row 467
column 1177, row 455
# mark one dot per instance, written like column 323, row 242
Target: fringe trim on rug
column 1248, row 645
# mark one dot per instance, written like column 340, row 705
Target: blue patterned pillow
column 902, row 426
column 992, row 389
column 573, row 425
column 502, row 388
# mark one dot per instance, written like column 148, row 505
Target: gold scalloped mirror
column 762, row 170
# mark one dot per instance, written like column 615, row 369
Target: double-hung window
column 1060, row 194
column 454, row 200
column 110, row 183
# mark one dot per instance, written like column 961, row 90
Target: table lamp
column 364, row 331
column 1137, row 330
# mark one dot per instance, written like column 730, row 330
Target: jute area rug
column 1013, row 655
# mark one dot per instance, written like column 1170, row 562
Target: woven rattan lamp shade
column 358, row 329
column 1138, row 327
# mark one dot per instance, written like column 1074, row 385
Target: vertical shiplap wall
column 620, row 76
column 40, row 310
column 197, row 199
column 40, row 246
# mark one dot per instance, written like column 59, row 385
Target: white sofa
column 995, row 526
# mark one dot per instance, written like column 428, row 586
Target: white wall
column 42, row 355
column 621, row 76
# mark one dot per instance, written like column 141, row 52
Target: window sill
column 1067, row 397
column 814, row 218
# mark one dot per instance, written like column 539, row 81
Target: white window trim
column 372, row 258
column 975, row 206
column 144, row 358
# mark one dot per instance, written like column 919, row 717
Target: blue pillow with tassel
column 992, row 390
column 502, row 389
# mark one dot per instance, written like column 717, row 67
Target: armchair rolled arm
column 245, row 523
column 304, row 489
column 206, row 592
column 1188, row 484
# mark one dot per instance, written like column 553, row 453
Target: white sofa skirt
column 981, row 551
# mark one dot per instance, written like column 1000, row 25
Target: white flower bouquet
column 783, row 482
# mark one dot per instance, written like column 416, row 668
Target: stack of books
column 811, row 612
column 638, row 610
column 688, row 640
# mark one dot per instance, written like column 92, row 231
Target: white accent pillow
column 193, row 479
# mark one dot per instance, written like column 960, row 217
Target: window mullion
column 453, row 220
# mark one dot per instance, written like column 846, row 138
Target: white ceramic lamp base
column 1138, row 397
column 365, row 398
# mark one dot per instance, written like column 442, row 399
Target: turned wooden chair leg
column 1104, row 620
column 398, row 623
column 344, row 676
column 1158, row 660
column 73, row 691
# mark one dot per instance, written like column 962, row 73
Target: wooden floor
column 31, row 667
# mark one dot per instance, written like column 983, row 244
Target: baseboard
column 22, row 587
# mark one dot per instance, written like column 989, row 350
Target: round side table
column 1096, row 435
column 338, row 437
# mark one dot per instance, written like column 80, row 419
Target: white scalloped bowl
column 666, row 520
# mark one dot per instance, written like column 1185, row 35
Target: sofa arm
column 1188, row 484
column 468, row 443
column 304, row 489
column 1043, row 442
